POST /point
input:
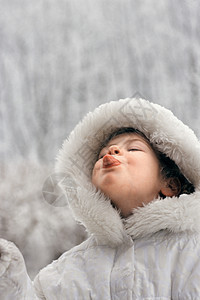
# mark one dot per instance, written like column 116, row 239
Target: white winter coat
column 153, row 254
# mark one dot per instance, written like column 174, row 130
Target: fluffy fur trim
column 174, row 214
column 94, row 211
column 166, row 133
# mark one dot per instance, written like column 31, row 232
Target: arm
column 14, row 281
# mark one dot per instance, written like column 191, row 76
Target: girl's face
column 128, row 172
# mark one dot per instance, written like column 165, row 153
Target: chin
column 111, row 181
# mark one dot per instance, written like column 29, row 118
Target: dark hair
column 168, row 167
column 170, row 170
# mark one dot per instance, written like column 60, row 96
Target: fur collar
column 174, row 214
column 93, row 209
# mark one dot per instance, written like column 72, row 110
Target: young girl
column 136, row 174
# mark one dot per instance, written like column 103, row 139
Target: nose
column 114, row 149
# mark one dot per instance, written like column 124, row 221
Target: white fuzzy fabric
column 167, row 134
column 174, row 214
column 94, row 210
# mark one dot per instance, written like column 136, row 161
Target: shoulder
column 182, row 251
column 178, row 247
column 177, row 240
column 72, row 269
column 187, row 239
column 88, row 249
column 48, row 278
column 68, row 256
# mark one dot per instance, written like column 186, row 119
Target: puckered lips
column 110, row 161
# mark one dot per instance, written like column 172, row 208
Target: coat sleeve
column 15, row 283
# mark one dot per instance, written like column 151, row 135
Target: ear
column 171, row 187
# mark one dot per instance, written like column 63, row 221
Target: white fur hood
column 167, row 134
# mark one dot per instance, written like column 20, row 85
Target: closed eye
column 133, row 149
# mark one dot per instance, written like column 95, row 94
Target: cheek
column 94, row 172
column 93, row 176
column 154, row 171
column 150, row 167
column 156, row 166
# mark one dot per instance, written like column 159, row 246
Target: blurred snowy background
column 58, row 60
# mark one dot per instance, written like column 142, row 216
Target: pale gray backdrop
column 61, row 58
